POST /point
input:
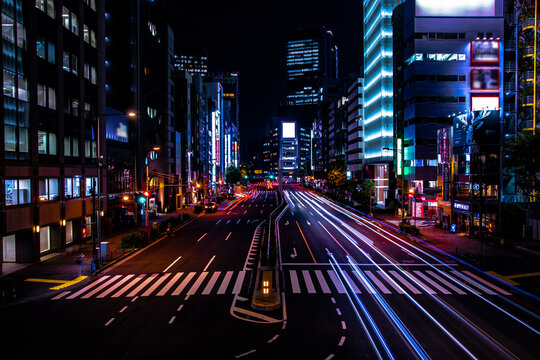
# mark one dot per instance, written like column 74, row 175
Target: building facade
column 355, row 129
column 53, row 134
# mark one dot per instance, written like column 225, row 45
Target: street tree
column 233, row 175
column 522, row 161
column 337, row 177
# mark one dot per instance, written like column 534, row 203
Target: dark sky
column 250, row 37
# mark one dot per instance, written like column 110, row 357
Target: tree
column 363, row 197
column 337, row 177
column 522, row 161
column 233, row 175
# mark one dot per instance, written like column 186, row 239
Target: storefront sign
column 461, row 206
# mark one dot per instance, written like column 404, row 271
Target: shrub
column 134, row 240
column 406, row 227
column 198, row 209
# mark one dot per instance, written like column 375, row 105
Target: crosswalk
column 321, row 281
column 415, row 282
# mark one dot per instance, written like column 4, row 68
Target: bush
column 198, row 209
column 406, row 227
column 134, row 240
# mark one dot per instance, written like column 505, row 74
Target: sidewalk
column 61, row 267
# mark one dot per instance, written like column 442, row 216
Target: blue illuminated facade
column 378, row 92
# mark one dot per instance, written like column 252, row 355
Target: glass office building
column 378, row 92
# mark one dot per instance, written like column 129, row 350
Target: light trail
column 444, row 273
column 366, row 313
column 422, row 309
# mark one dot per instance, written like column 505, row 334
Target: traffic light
column 245, row 176
column 146, row 194
column 141, row 199
column 271, row 177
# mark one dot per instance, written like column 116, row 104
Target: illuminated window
column 17, row 192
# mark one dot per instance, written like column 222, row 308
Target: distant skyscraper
column 378, row 92
column 311, row 55
column 195, row 61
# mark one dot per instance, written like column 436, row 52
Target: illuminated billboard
column 461, row 8
column 288, row 130
column 485, row 51
column 476, row 128
column 117, row 127
column 484, row 103
column 485, row 79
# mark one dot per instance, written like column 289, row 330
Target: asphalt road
column 349, row 289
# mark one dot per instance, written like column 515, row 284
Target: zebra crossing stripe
column 129, row 286
column 377, row 282
column 473, row 283
column 156, row 284
column 170, row 284
column 294, row 281
column 391, row 281
column 367, row 286
column 487, row 283
column 431, row 282
column 114, row 287
column 88, row 287
column 446, row 283
column 353, row 284
column 405, row 282
column 223, row 288
column 211, row 283
column 335, row 280
column 421, row 284
column 142, row 285
column 322, row 282
column 183, row 284
column 61, row 295
column 309, row 283
column 238, row 283
column 101, row 287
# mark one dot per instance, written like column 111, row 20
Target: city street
column 350, row 289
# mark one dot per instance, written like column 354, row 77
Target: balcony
column 527, row 100
column 528, row 76
column 528, row 51
column 528, row 24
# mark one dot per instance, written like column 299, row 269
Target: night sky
column 250, row 37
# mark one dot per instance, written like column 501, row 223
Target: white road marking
column 168, row 267
column 343, row 325
column 211, row 283
column 238, row 222
column 135, row 298
column 355, row 288
column 142, row 285
column 109, row 322
column 391, row 282
column 308, row 223
column 246, row 353
column 169, row 284
column 284, row 325
column 338, row 311
column 207, row 265
column 61, row 295
column 238, row 283
column 377, row 282
column 112, row 288
column 245, row 212
column 156, row 284
column 197, row 284
column 99, row 288
column 488, row 283
column 446, row 283
column 323, row 283
column 341, row 341
column 309, row 283
column 202, row 237
column 88, row 287
column 294, row 281
column 228, row 221
column 336, row 281
column 272, row 339
column 227, row 238
column 431, row 282
column 172, row 319
column 218, row 221
column 183, row 284
column 405, row 282
column 223, row 287
column 124, row 308
column 180, row 307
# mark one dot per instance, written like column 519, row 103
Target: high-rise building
column 453, row 63
column 378, row 93
column 53, row 129
column 140, row 79
column 355, row 132
column 193, row 60
column 311, row 56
